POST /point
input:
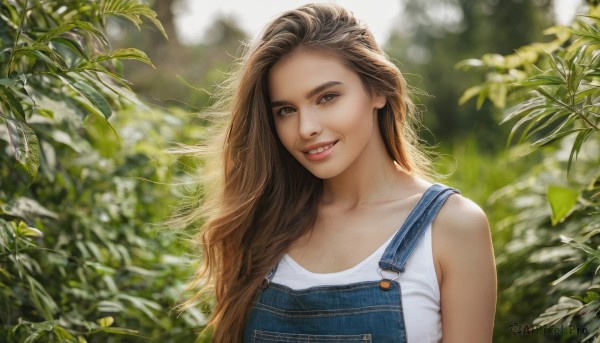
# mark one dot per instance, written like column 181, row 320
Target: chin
column 323, row 173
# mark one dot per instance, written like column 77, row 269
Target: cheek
column 353, row 115
column 284, row 135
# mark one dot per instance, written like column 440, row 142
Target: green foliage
column 550, row 264
column 433, row 35
column 79, row 259
column 49, row 42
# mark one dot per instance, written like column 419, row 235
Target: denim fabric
column 356, row 312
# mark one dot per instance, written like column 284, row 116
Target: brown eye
column 285, row 111
column 328, row 97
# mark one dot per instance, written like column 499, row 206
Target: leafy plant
column 79, row 259
column 552, row 91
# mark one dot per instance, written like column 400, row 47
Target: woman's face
column 323, row 114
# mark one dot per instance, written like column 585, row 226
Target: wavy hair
column 262, row 199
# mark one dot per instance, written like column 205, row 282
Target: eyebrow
column 310, row 94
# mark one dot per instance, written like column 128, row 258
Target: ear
column 378, row 100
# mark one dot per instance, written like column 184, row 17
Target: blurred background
column 85, row 257
column 426, row 38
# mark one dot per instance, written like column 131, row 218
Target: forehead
column 302, row 70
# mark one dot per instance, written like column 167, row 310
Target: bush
column 548, row 268
column 79, row 258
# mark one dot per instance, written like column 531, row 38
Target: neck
column 374, row 177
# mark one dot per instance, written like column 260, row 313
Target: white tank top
column 418, row 284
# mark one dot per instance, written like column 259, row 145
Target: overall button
column 385, row 284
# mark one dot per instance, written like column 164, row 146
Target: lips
column 319, row 147
column 320, row 152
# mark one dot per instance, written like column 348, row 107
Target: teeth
column 320, row 149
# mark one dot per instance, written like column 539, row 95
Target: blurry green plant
column 550, row 264
column 79, row 258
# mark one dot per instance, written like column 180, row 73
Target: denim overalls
column 369, row 311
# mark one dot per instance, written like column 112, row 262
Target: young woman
column 323, row 226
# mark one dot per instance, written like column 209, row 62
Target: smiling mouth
column 321, row 149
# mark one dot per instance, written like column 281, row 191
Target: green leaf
column 55, row 31
column 91, row 94
column 4, row 272
column 25, row 231
column 494, row 60
column 562, row 200
column 539, row 80
column 523, row 108
column 41, row 299
column 35, row 335
column 582, row 136
column 144, row 305
column 44, row 53
column 546, row 119
column 563, row 310
column 66, row 27
column 25, row 145
column 481, row 99
column 7, row 96
column 469, row 63
column 118, row 331
column 569, row 273
column 62, row 334
column 106, row 321
column 553, row 137
column 585, row 93
column 73, row 45
column 591, row 252
column 590, row 296
column 110, row 306
column 590, row 16
column 553, row 98
column 25, row 207
column 6, row 235
column 132, row 11
column 130, row 53
column 497, row 94
column 93, row 73
column 469, row 93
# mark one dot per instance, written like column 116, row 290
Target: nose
column 309, row 125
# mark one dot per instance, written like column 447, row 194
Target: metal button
column 385, row 284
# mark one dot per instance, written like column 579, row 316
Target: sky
column 193, row 17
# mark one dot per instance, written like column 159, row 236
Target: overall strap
column 406, row 239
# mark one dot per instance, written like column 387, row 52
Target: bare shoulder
column 461, row 218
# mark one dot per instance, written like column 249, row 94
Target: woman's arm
column 463, row 246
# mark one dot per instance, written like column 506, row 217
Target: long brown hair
column 263, row 199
